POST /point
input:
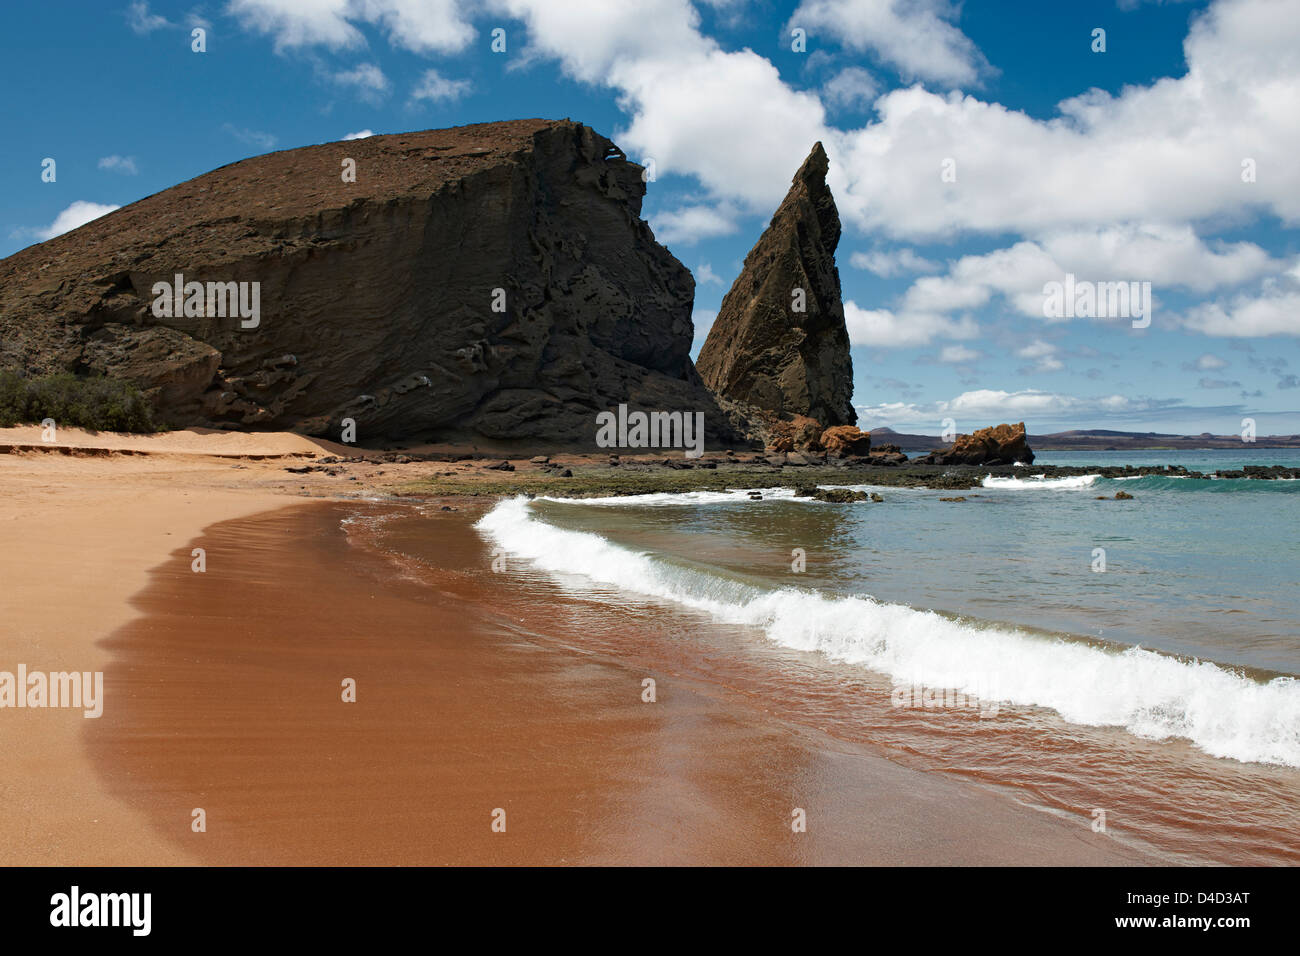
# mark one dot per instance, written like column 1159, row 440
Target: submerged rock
column 834, row 495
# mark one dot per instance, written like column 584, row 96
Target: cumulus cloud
column 958, row 354
column 883, row 328
column 1171, row 151
column 1169, row 257
column 1043, row 355
column 421, row 26
column 851, row 87
column 361, row 134
column 705, row 275
column 367, row 79
column 436, row 88
column 139, row 19
column 977, row 408
column 916, row 37
column 119, row 164
column 689, row 224
column 1274, row 312
column 888, row 263
column 77, row 214
column 1208, row 362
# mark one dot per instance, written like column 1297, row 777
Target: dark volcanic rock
column 377, row 296
column 835, row 495
column 762, row 352
column 998, row 445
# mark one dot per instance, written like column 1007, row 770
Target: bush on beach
column 95, row 403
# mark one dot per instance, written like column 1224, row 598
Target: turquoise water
column 1205, row 460
column 1208, row 569
column 1142, row 654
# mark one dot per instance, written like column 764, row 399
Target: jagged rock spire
column 779, row 343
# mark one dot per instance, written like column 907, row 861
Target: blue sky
column 1122, row 165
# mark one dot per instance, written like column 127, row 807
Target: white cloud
column 139, row 19
column 1043, row 354
column 723, row 117
column 250, row 136
column 1272, row 309
column 436, row 88
column 1037, row 349
column 705, row 275
column 368, row 80
column 119, row 164
column 1167, row 256
column 688, row 225
column 851, row 87
column 981, row 407
column 913, row 36
column 888, row 263
column 1275, row 312
column 362, row 134
column 422, row 26
column 1171, row 151
column 885, row 329
column 77, row 214
column 958, row 354
column 1209, row 362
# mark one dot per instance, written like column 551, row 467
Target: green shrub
column 96, row 403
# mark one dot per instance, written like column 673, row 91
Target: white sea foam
column 1151, row 695
column 1042, row 481
column 678, row 498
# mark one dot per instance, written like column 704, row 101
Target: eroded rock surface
column 998, row 445
column 763, row 351
column 376, row 296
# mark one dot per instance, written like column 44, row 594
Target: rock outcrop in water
column 843, row 440
column 998, row 445
column 779, row 343
column 487, row 281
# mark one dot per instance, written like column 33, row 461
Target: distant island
column 1099, row 439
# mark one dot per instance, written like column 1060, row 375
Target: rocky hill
column 493, row 280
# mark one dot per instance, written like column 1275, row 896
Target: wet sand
column 226, row 695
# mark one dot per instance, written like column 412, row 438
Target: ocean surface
column 1137, row 658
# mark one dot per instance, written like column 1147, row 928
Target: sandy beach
column 222, row 692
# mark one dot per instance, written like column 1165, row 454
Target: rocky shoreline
column 581, row 476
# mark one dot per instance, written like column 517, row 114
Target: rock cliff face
column 779, row 342
column 492, row 280
column 997, row 445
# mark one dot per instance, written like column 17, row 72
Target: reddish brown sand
column 226, row 695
